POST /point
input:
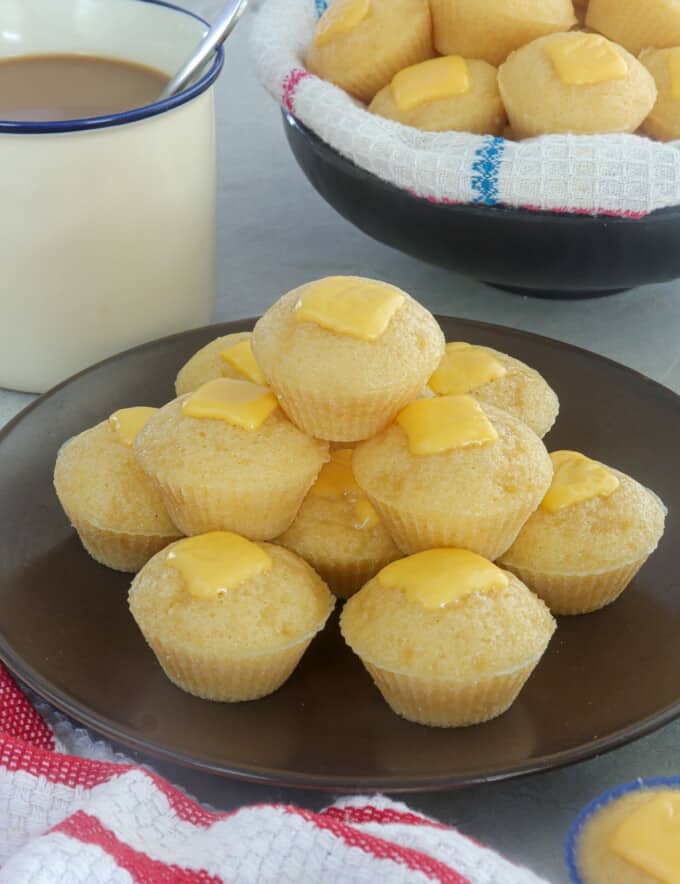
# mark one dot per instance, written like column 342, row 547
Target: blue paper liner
column 597, row 804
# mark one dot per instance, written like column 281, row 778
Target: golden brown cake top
column 98, row 480
column 472, row 479
column 594, row 534
column 271, row 609
column 440, row 577
column 431, row 80
column 488, row 632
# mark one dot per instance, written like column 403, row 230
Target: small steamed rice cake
column 578, row 83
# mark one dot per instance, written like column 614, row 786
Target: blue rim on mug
column 597, row 804
column 14, row 127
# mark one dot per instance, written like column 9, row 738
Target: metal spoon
column 223, row 25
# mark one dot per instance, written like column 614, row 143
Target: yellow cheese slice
column 438, row 577
column 239, row 403
column 240, row 356
column 365, row 516
column 577, row 478
column 350, row 305
column 585, row 59
column 336, row 478
column 336, row 482
column 429, row 81
column 215, row 563
column 434, row 426
column 127, row 422
column 465, row 368
column 649, row 838
column 340, row 18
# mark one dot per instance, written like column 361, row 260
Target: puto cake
column 497, row 379
column 454, row 471
column 229, row 356
column 592, row 533
column 118, row 513
column 444, row 94
column 628, row 835
column 634, row 25
column 575, row 82
column 228, row 619
column 448, row 638
column 491, row 29
column 344, row 354
column 361, row 44
column 226, row 458
column 663, row 123
column 338, row 531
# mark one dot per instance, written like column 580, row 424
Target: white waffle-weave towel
column 67, row 819
column 625, row 175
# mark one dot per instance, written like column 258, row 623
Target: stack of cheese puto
column 474, row 65
column 345, row 444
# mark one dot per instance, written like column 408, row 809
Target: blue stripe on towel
column 485, row 169
column 321, row 7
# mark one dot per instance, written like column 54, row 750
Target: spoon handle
column 223, row 25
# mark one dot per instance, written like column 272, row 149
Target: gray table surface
column 275, row 233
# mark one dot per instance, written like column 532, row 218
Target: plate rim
column 105, row 726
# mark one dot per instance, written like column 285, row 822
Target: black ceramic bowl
column 533, row 253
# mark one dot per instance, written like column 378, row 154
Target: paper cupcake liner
column 120, row 550
column 365, row 79
column 622, row 22
column 447, row 27
column 577, row 593
column 346, row 578
column 488, row 536
column 225, row 679
column 260, row 515
column 440, row 702
column 574, row 834
column 366, row 83
column 343, row 419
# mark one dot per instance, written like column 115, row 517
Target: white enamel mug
column 107, row 234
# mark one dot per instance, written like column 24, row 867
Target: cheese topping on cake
column 438, row 577
column 240, row 356
column 429, row 81
column 340, row 18
column 465, row 368
column 336, row 481
column 350, row 305
column 127, row 422
column 215, row 563
column 649, row 838
column 585, row 59
column 434, row 426
column 239, row 403
column 577, row 478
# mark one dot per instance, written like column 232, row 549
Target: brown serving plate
column 606, row 679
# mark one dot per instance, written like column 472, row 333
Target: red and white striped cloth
column 69, row 819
